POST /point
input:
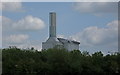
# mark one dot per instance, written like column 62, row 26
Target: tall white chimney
column 52, row 20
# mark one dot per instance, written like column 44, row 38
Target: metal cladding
column 52, row 20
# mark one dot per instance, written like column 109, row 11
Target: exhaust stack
column 52, row 22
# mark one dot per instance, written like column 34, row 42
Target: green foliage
column 57, row 61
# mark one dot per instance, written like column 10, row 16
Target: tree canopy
column 56, row 61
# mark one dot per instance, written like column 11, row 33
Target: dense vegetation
column 58, row 62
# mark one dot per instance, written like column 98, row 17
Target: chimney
column 52, row 21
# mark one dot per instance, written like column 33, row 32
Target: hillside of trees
column 55, row 61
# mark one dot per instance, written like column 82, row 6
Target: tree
column 58, row 61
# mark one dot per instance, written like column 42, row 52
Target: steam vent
column 53, row 41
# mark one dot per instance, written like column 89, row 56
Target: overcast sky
column 94, row 24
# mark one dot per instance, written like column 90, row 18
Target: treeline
column 55, row 61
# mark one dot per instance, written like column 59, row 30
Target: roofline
column 70, row 40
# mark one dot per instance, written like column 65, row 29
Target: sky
column 93, row 24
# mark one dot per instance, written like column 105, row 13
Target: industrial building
column 53, row 41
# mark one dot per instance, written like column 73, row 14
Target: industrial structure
column 53, row 41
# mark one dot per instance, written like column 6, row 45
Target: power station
column 53, row 41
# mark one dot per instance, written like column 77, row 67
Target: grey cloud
column 11, row 6
column 95, row 37
column 97, row 8
column 25, row 24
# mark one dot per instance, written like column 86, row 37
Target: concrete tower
column 52, row 40
column 52, row 27
column 52, row 30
